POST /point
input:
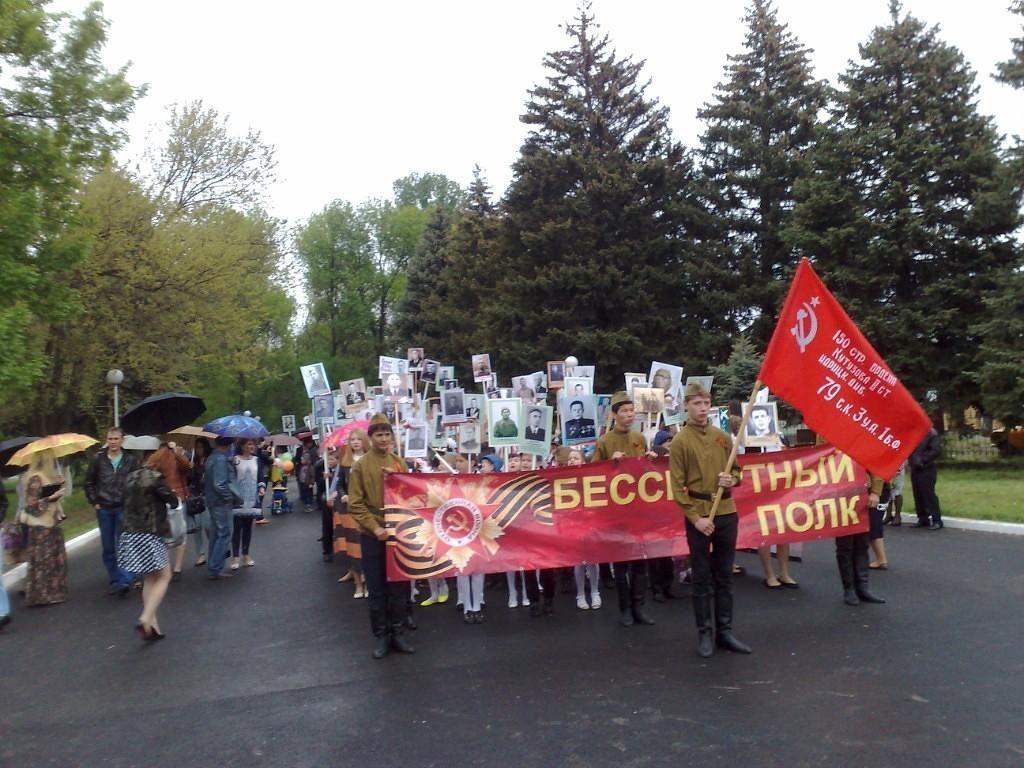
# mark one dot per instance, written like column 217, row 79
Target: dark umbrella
column 7, row 449
column 162, row 413
column 236, row 425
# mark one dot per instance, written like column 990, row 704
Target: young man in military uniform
column 622, row 441
column 366, row 505
column 697, row 460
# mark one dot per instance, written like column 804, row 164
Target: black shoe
column 479, row 617
column 850, row 596
column 659, row 597
column 536, row 607
column 410, row 623
column 866, row 597
column 729, row 642
column 4, row 621
column 549, row 608
column 383, row 644
column 625, row 612
column 919, row 524
column 220, row 576
column 705, row 646
column 639, row 617
column 468, row 617
column 399, row 644
column 936, row 526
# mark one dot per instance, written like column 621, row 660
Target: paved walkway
column 273, row 668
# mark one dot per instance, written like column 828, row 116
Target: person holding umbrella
column 40, row 490
column 220, row 500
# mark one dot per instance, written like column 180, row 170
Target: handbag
column 13, row 536
column 176, row 521
column 195, row 505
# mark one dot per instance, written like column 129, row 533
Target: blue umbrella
column 236, row 425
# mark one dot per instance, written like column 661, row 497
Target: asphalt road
column 273, row 668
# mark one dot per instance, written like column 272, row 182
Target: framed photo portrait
column 481, row 368
column 325, row 426
column 504, row 422
column 556, row 374
column 536, row 438
column 649, row 400
column 523, row 389
column 469, row 437
column 355, row 395
column 762, row 430
column 635, row 380
column 665, row 376
column 473, row 402
column 308, row 421
column 584, row 371
column 493, row 393
column 323, row 407
column 705, row 381
column 416, row 441
column 450, row 384
column 414, row 359
column 445, row 372
column 577, row 386
column 288, row 423
column 430, row 371
column 604, row 411
column 673, row 412
column 314, row 376
column 579, row 418
column 453, row 407
column 539, row 383
column 388, row 365
column 398, row 386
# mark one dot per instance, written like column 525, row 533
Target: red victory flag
column 820, row 363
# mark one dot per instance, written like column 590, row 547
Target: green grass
column 995, row 493
column 81, row 514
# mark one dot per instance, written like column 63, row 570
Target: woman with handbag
column 142, row 548
column 198, row 520
column 251, row 485
column 171, row 462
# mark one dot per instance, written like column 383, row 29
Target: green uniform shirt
column 366, row 488
column 696, row 457
column 630, row 443
column 505, row 428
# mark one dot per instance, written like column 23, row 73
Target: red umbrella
column 283, row 439
column 339, row 435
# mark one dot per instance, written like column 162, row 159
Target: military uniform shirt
column 630, row 443
column 366, row 488
column 696, row 457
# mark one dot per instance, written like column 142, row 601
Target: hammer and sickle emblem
column 806, row 326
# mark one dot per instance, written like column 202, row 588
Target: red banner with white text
column 610, row 511
column 819, row 362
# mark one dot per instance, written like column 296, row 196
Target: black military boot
column 398, row 642
column 844, row 559
column 860, row 571
column 378, row 620
column 702, row 613
column 724, row 637
column 625, row 611
column 639, row 589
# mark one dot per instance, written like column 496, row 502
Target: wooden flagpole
column 735, row 446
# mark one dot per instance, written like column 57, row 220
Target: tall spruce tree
column 414, row 326
column 760, row 126
column 911, row 210
column 597, row 220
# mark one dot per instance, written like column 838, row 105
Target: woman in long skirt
column 346, row 531
column 40, row 490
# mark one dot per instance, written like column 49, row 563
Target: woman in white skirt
column 141, row 548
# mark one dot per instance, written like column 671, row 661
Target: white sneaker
column 249, row 562
column 526, row 602
column 234, row 563
column 595, row 600
column 512, row 601
column 581, row 603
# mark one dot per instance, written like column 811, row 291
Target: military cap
column 695, row 389
column 621, row 398
column 378, row 422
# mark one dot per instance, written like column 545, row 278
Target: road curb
column 986, row 526
column 17, row 573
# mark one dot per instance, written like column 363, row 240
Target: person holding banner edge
column 619, row 442
column 698, row 459
column 366, row 505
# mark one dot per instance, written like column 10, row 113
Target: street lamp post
column 114, row 379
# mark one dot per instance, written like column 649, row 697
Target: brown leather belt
column 708, row 496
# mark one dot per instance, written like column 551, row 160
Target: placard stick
column 446, row 464
column 735, row 445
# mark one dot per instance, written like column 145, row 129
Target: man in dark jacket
column 922, row 479
column 104, row 489
column 220, row 500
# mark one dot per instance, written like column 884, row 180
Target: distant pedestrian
column 199, row 524
column 171, row 462
column 104, row 489
column 142, row 548
column 923, row 475
column 250, row 485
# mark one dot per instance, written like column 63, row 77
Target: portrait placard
column 604, row 412
column 397, row 386
column 469, row 437
column 416, row 440
column 579, row 418
column 635, row 380
column 288, row 423
column 445, row 372
column 539, row 383
column 453, row 408
column 583, row 371
column 504, row 421
column 414, row 359
column 705, row 381
column 473, row 402
column 430, row 371
column 762, row 429
column 314, row 376
column 481, row 368
column 536, row 438
column 522, row 387
column 577, row 386
column 673, row 412
column 388, row 365
column 355, row 395
column 450, row 384
column 323, row 407
column 556, row 374
column 665, row 376
column 649, row 400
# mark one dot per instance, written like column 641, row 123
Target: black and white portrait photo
column 416, row 441
column 763, row 426
column 536, row 438
column 579, row 418
column 453, row 408
column 315, row 378
column 469, row 437
column 414, row 358
column 430, row 371
column 323, row 407
column 481, row 368
column 556, row 373
column 473, row 407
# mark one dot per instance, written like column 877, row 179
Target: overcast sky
column 357, row 94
